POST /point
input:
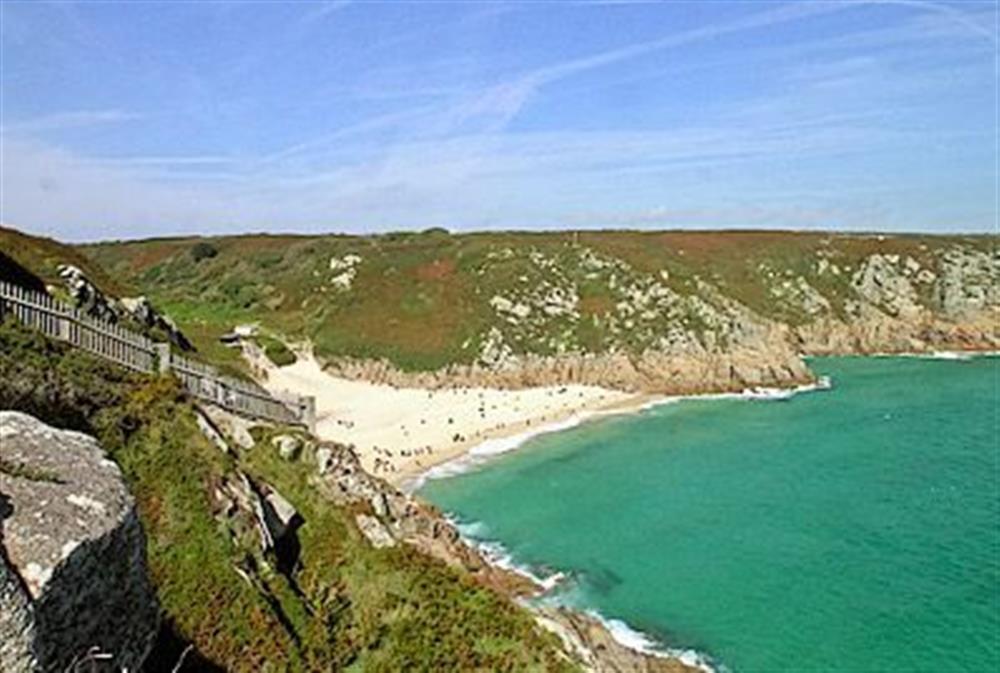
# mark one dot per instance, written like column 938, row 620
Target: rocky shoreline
column 705, row 372
column 886, row 303
column 386, row 517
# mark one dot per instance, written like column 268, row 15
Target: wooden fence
column 139, row 353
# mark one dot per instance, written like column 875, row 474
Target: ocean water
column 851, row 529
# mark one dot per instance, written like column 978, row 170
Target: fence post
column 307, row 405
column 64, row 328
column 163, row 356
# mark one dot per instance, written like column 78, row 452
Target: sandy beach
column 400, row 433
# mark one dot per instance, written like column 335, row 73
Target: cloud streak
column 833, row 136
column 492, row 108
column 74, row 119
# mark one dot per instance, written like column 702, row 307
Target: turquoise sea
column 851, row 529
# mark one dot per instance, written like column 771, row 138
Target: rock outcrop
column 390, row 517
column 289, row 446
column 142, row 311
column 260, row 521
column 696, row 371
column 655, row 338
column 902, row 306
column 601, row 653
column 138, row 310
column 17, row 621
column 74, row 586
column 87, row 296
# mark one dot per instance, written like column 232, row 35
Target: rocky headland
column 889, row 303
column 606, row 319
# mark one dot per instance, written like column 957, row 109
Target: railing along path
column 137, row 352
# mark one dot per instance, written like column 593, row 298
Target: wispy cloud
column 965, row 19
column 505, row 100
column 313, row 18
column 164, row 160
column 491, row 108
column 841, row 130
column 69, row 120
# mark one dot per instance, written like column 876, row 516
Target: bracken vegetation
column 425, row 300
column 276, row 350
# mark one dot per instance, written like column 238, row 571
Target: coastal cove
column 853, row 528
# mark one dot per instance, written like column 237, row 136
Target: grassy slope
column 40, row 257
column 365, row 609
column 422, row 300
column 43, row 255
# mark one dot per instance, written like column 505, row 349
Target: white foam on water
column 941, row 355
column 474, row 535
column 481, row 453
column 471, row 530
column 484, row 451
column 823, row 383
column 559, row 589
column 946, row 355
column 640, row 642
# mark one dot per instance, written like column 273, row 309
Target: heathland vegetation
column 346, row 605
column 423, row 301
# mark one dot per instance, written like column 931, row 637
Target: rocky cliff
column 657, row 339
column 387, row 517
column 73, row 584
column 17, row 618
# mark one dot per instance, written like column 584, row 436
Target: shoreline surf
column 496, row 554
column 559, row 583
column 481, row 453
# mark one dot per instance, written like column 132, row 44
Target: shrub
column 276, row 351
column 202, row 250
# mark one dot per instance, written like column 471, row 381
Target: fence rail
column 139, row 353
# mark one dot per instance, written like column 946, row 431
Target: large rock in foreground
column 73, row 586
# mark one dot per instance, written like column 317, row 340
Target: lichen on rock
column 72, row 540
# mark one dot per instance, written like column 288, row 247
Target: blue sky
column 134, row 119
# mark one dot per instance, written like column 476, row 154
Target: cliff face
column 902, row 306
column 73, row 586
column 658, row 340
column 17, row 623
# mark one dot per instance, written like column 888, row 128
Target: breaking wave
column 483, row 452
column 558, row 590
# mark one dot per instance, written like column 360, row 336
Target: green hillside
column 425, row 300
column 42, row 256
